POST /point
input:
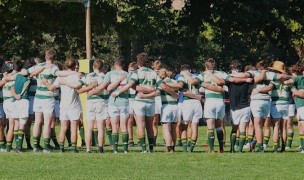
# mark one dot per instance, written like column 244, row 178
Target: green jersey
column 145, row 77
column 167, row 98
column 188, row 86
column 21, row 86
column 6, row 90
column 280, row 93
column 122, row 99
column 299, row 84
column 270, row 76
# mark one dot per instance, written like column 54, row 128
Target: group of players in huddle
column 259, row 96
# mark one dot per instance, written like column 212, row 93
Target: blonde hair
column 163, row 73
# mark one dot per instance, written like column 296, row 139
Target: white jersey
column 69, row 97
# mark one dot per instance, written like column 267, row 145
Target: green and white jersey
column 131, row 91
column 6, row 90
column 147, row 78
column 280, row 93
column 167, row 98
column 99, row 77
column 207, row 79
column 299, row 84
column 188, row 86
column 123, row 98
column 270, row 76
column 49, row 74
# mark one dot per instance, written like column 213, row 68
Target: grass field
column 158, row 165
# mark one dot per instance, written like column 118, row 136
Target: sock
column 16, row 137
column 68, row 136
column 275, row 146
column 115, row 141
column 260, row 147
column 170, row 148
column 142, row 140
column 211, row 139
column 220, row 137
column 47, row 143
column 61, row 146
column 2, row 145
column 189, row 142
column 109, row 134
column 246, row 140
column 302, row 140
column 20, row 138
column 250, row 138
column 232, row 141
column 54, row 139
column 266, row 140
column 184, row 144
column 9, row 146
column 36, row 144
column 100, row 149
column 95, row 136
column 178, row 141
column 81, row 132
column 289, row 139
column 242, row 140
column 151, row 143
column 28, row 140
column 192, row 145
column 237, row 141
column 74, row 148
column 155, row 137
column 125, row 137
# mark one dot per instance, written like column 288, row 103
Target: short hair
column 250, row 68
column 163, row 73
column 142, row 59
column 18, row 65
column 97, row 64
column 185, row 67
column 293, row 69
column 29, row 63
column 260, row 65
column 106, row 68
column 70, row 64
column 50, row 54
column 157, row 64
column 235, row 65
column 120, row 61
column 210, row 63
column 37, row 60
column 59, row 65
column 133, row 65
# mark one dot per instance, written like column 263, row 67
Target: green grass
column 197, row 165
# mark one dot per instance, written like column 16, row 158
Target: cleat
column 115, row 152
column 100, row 150
column 36, row 150
column 46, row 151
column 131, row 144
column 89, row 152
column 126, row 152
column 143, row 152
column 75, row 151
column 302, row 151
column 265, row 146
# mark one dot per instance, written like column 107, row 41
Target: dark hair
column 106, row 68
column 29, row 63
column 142, row 59
column 18, row 65
column 210, row 63
column 236, row 65
column 185, row 67
column 50, row 54
column 120, row 61
column 70, row 64
column 260, row 65
column 98, row 63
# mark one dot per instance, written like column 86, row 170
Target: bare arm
column 66, row 73
column 241, row 75
column 190, row 78
column 298, row 93
column 74, row 85
column 88, row 88
column 2, row 82
column 191, row 95
column 260, row 77
column 212, row 87
column 35, row 72
column 98, row 89
column 123, row 89
column 49, row 86
column 289, row 82
column 114, row 85
column 145, row 90
column 214, row 78
column 168, row 90
column 178, row 85
column 17, row 96
column 240, row 80
column 9, row 77
column 265, row 89
column 148, row 96
column 283, row 77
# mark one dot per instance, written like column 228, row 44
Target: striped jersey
column 132, row 92
column 280, row 93
column 99, row 77
column 270, row 76
column 123, row 98
column 147, row 78
column 204, row 77
column 299, row 84
column 188, row 86
column 167, row 98
column 6, row 90
column 42, row 92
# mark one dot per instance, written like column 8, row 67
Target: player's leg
column 2, row 136
column 267, row 132
column 115, row 131
column 47, row 130
column 124, row 116
column 109, row 131
column 101, row 126
column 63, row 128
column 130, row 129
column 53, row 133
column 37, row 130
column 74, row 127
column 88, row 134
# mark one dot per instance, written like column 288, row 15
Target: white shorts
column 131, row 106
column 291, row 110
column 279, row 111
column 70, row 115
column 31, row 105
column 2, row 114
column 144, row 108
column 214, row 109
column 118, row 111
column 158, row 105
column 57, row 108
column 241, row 115
column 260, row 108
column 192, row 111
column 169, row 113
column 9, row 107
column 21, row 109
column 96, row 110
column 44, row 105
column 300, row 113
